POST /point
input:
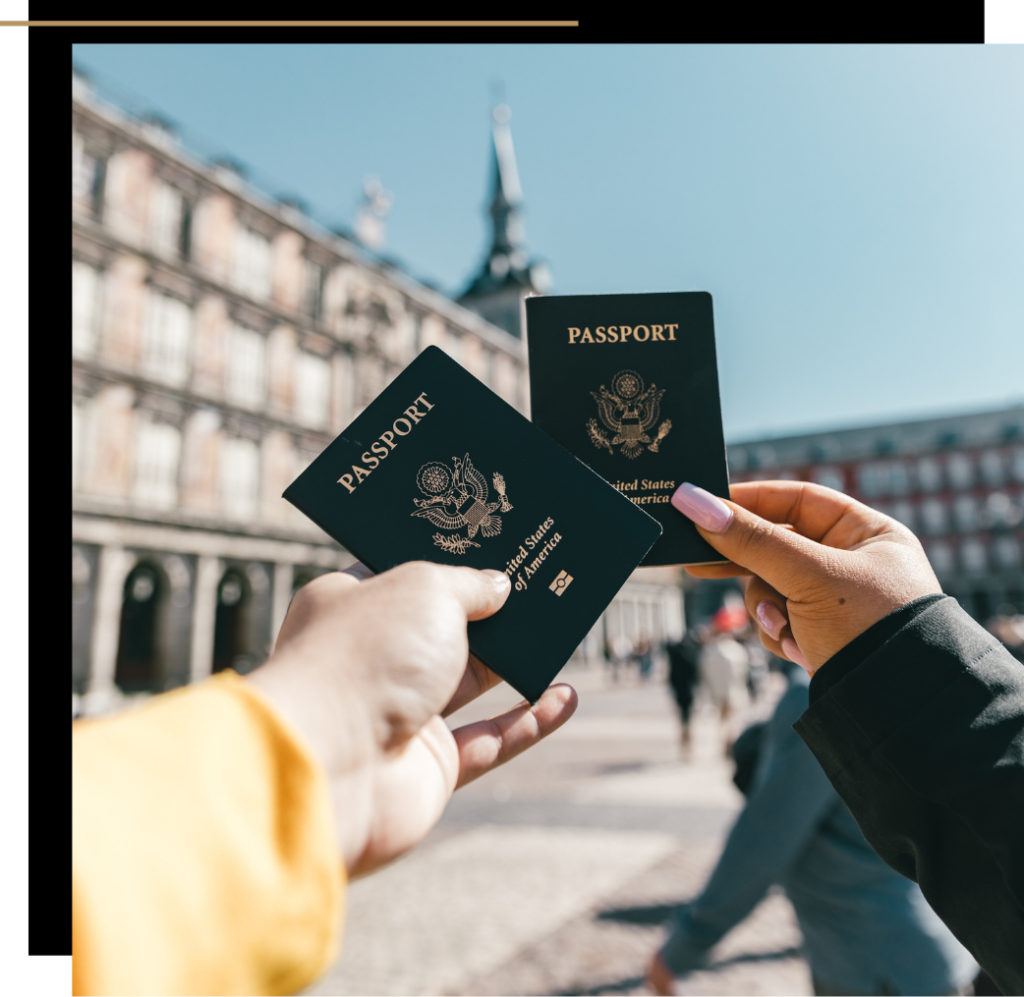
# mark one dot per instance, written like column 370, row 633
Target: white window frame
column 246, row 373
column 312, row 390
column 252, row 263
column 166, row 212
column 166, row 341
column 157, row 459
column 239, row 477
column 86, row 282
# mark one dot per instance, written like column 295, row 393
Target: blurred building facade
column 220, row 340
column 957, row 482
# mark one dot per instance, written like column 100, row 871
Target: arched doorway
column 138, row 666
column 230, row 643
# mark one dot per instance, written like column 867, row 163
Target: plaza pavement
column 556, row 873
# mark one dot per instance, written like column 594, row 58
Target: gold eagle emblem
column 457, row 497
column 629, row 410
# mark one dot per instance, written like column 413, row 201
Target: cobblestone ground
column 556, row 874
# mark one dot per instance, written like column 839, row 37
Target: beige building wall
column 201, row 390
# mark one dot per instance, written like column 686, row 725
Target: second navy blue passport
column 439, row 468
column 629, row 384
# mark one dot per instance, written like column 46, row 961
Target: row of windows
column 975, row 556
column 168, row 226
column 167, row 344
column 959, row 471
column 156, row 461
column 965, row 514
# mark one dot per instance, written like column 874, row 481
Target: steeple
column 507, row 275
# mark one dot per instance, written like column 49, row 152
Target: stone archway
column 230, row 631
column 139, row 667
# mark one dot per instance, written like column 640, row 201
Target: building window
column 157, row 449
column 1017, row 464
column 941, row 557
column 899, row 479
column 933, row 517
column 166, row 334
column 166, row 212
column 929, row 474
column 904, row 512
column 252, row 264
column 312, row 390
column 312, row 289
column 830, row 477
column 85, row 294
column 990, row 464
column 965, row 512
column 453, row 345
column 246, row 367
column 960, row 469
column 78, row 417
column 872, row 479
column 239, row 477
column 972, row 556
column 86, row 179
column 998, row 511
column 1006, row 552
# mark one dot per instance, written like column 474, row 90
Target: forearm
column 204, row 857
column 919, row 724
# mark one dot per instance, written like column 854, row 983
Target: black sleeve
column 919, row 725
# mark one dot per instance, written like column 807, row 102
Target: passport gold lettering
column 369, row 461
column 622, row 333
column 526, row 548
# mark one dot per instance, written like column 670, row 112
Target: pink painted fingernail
column 702, row 507
column 771, row 620
column 795, row 654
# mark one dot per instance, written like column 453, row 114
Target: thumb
column 481, row 593
column 782, row 557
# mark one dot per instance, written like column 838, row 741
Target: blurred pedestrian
column 644, row 658
column 621, row 654
column 683, row 677
column 866, row 929
column 724, row 663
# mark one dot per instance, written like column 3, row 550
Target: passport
column 440, row 468
column 629, row 384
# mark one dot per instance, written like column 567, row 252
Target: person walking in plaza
column 866, row 929
column 683, row 676
column 723, row 671
column 644, row 658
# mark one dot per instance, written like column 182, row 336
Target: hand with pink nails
column 822, row 567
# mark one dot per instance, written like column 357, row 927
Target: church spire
column 509, row 235
column 507, row 275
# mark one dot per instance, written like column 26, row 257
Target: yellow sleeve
column 203, row 849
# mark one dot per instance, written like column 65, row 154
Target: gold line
column 289, row 24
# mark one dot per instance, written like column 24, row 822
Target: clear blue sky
column 857, row 213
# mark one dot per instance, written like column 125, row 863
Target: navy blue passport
column 629, row 384
column 439, row 468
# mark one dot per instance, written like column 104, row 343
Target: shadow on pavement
column 653, row 914
column 633, row 982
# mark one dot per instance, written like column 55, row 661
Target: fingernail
column 702, row 507
column 499, row 577
column 795, row 654
column 771, row 620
